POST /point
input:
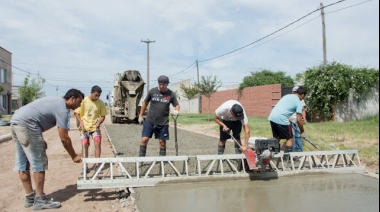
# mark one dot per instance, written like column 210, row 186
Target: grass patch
column 6, row 117
column 189, row 119
column 362, row 135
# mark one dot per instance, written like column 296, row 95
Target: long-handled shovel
column 306, row 139
column 84, row 168
column 249, row 154
column 175, row 133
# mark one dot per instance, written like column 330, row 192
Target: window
column 3, row 75
column 3, row 102
column 14, row 104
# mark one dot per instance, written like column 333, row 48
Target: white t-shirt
column 224, row 112
column 294, row 116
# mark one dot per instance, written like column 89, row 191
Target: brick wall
column 257, row 101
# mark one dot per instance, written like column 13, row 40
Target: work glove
column 303, row 135
column 141, row 120
column 175, row 112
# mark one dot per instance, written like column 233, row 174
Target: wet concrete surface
column 323, row 192
column 317, row 192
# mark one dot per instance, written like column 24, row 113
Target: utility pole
column 197, row 70
column 200, row 96
column 147, row 55
column 324, row 37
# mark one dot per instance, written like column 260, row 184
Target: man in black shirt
column 157, row 119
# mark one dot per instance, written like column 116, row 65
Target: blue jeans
column 30, row 149
column 297, row 143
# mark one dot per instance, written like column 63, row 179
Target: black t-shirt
column 158, row 113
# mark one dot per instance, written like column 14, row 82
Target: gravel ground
column 126, row 140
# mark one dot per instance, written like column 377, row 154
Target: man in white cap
column 231, row 116
column 157, row 119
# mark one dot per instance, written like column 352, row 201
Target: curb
column 5, row 137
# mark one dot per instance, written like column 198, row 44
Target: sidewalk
column 5, row 137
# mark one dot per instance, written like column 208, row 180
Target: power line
column 349, row 6
column 286, row 26
column 16, row 67
column 184, row 69
column 190, row 68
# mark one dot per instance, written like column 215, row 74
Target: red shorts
column 96, row 136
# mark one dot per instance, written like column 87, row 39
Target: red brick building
column 257, row 101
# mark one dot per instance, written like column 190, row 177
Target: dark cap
column 163, row 79
column 238, row 111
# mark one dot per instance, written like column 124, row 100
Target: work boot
column 288, row 149
column 162, row 152
column 44, row 202
column 221, row 149
column 142, row 151
column 286, row 157
column 29, row 199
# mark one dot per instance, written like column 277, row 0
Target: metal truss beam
column 132, row 172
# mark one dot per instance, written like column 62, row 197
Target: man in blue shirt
column 279, row 117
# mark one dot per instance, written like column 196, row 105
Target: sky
column 81, row 43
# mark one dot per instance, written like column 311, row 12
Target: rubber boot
column 162, row 152
column 221, row 150
column 287, row 150
column 237, row 149
column 142, row 151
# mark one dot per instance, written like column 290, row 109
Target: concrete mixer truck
column 124, row 102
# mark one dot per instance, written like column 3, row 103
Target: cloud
column 82, row 43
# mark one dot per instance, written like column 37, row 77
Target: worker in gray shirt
column 27, row 125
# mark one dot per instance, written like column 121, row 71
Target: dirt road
column 61, row 179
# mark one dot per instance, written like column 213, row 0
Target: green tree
column 31, row 90
column 207, row 86
column 189, row 92
column 266, row 77
column 327, row 87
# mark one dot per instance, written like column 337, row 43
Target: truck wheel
column 114, row 119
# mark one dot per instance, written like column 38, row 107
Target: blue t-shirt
column 43, row 114
column 285, row 108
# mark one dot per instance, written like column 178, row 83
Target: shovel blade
column 251, row 158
